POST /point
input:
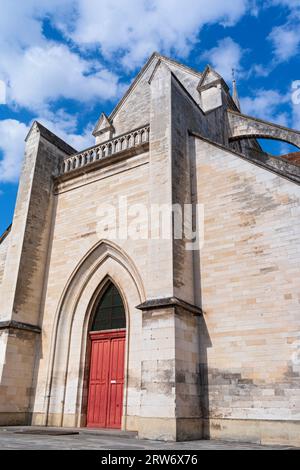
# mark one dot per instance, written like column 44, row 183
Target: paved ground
column 17, row 438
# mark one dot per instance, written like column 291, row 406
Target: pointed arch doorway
column 107, row 362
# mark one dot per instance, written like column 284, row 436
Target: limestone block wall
column 75, row 233
column 158, row 387
column 18, row 349
column 249, row 286
column 3, row 253
column 171, row 405
column 28, row 247
column 23, row 281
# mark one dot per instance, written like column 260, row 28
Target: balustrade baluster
column 119, row 144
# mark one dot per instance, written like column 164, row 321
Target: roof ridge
column 51, row 137
column 158, row 56
column 181, row 65
column 132, row 86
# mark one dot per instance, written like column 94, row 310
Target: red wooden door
column 106, row 385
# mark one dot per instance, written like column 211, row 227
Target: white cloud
column 21, row 22
column 286, row 41
column 265, row 104
column 291, row 4
column 12, row 135
column 65, row 126
column 260, row 70
column 227, row 55
column 137, row 28
column 285, row 38
column 42, row 75
column 2, row 92
column 38, row 71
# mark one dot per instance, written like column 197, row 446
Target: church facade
column 151, row 283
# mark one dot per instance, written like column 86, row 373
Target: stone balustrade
column 116, row 145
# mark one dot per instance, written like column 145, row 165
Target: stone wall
column 23, row 282
column 75, row 233
column 249, row 286
column 3, row 253
column 228, row 373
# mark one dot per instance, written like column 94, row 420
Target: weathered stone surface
column 230, row 372
column 242, row 126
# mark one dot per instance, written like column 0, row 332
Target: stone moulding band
column 125, row 142
column 169, row 302
column 15, row 325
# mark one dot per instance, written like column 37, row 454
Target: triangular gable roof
column 210, row 76
column 48, row 135
column 102, row 125
column 159, row 58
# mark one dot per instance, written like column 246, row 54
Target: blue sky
column 63, row 62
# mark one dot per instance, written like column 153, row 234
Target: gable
column 133, row 110
column 102, row 125
column 187, row 77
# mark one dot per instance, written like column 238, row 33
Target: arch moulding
column 66, row 386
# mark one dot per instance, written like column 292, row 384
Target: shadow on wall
column 204, row 344
column 203, row 334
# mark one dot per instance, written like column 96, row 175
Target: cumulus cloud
column 65, row 126
column 99, row 37
column 285, row 38
column 47, row 73
column 286, row 41
column 291, row 4
column 136, row 28
column 227, row 55
column 266, row 104
column 13, row 133
column 38, row 72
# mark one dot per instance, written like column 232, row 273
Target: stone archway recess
column 65, row 384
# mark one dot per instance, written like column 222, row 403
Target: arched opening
column 107, row 361
column 277, row 148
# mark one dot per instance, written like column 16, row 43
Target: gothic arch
column 66, row 377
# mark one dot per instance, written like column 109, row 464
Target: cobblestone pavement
column 17, row 438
